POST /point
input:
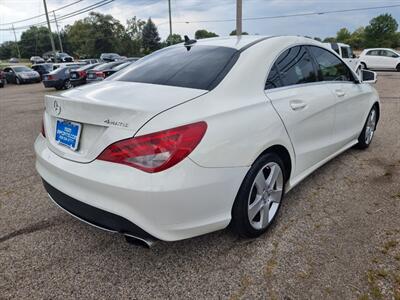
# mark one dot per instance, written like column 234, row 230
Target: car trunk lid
column 108, row 112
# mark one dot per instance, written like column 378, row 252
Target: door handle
column 297, row 104
column 340, row 93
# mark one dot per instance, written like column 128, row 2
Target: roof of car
column 245, row 41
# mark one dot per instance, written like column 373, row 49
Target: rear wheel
column 67, row 85
column 259, row 198
column 398, row 68
column 365, row 138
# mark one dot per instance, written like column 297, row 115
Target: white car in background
column 346, row 53
column 200, row 135
column 380, row 58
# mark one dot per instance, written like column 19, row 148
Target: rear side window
column 273, row 80
column 373, row 53
column 345, row 52
column 295, row 66
column 331, row 68
column 198, row 67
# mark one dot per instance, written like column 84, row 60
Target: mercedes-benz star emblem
column 57, row 107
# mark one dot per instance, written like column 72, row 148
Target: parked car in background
column 110, row 57
column 43, row 69
column 21, row 74
column 13, row 60
column 36, row 60
column 380, row 58
column 2, row 79
column 63, row 57
column 102, row 71
column 183, row 143
column 346, row 53
column 132, row 58
column 117, row 68
column 89, row 61
column 78, row 76
column 59, row 78
column 63, row 65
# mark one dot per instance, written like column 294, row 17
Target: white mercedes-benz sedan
column 202, row 135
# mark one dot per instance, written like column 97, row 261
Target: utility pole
column 170, row 20
column 238, row 17
column 58, row 32
column 16, row 42
column 48, row 25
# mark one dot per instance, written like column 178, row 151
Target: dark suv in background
column 43, row 69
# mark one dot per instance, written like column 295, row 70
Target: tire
column 367, row 133
column 17, row 80
column 363, row 66
column 67, row 85
column 398, row 68
column 257, row 202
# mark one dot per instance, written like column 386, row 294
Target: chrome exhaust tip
column 140, row 241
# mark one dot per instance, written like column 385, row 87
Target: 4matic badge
column 116, row 123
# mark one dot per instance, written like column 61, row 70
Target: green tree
column 203, row 34
column 8, row 49
column 381, row 31
column 150, row 36
column 173, row 39
column 36, row 41
column 134, row 30
column 96, row 34
column 357, row 38
column 233, row 32
column 343, row 35
column 329, row 40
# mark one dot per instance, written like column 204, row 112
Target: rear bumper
column 52, row 83
column 76, row 82
column 184, row 201
column 95, row 216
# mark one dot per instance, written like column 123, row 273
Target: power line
column 66, row 16
column 285, row 16
column 38, row 16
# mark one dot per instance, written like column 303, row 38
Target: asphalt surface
column 337, row 235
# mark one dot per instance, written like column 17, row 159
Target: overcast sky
column 200, row 10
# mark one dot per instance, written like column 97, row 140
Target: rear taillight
column 100, row 74
column 82, row 73
column 50, row 77
column 158, row 151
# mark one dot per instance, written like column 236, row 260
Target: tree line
column 99, row 33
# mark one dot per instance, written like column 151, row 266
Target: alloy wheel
column 370, row 126
column 265, row 195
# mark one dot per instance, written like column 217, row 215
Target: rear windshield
column 200, row 67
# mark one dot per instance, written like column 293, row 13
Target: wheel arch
column 284, row 154
column 378, row 110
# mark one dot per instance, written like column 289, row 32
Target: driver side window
column 331, row 68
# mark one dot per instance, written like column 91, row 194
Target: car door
column 350, row 99
column 306, row 107
column 372, row 59
column 389, row 59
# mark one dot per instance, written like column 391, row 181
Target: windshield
column 198, row 67
column 21, row 69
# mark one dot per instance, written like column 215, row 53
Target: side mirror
column 368, row 76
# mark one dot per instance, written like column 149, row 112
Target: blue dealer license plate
column 68, row 133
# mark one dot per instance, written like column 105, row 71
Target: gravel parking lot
column 337, row 235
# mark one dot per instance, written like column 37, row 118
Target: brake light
column 82, row 73
column 157, row 151
column 50, row 77
column 100, row 74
